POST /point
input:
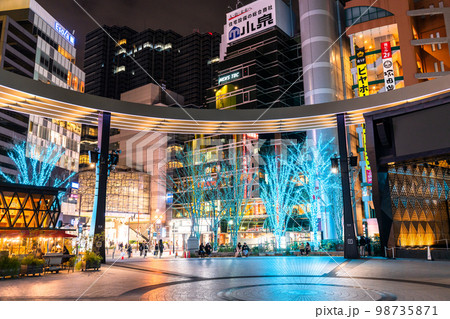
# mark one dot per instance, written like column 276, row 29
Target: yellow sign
column 361, row 67
column 363, row 82
column 366, row 158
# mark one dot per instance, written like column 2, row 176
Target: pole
column 98, row 214
column 350, row 244
column 173, row 236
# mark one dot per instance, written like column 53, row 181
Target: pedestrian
column 141, row 249
column 156, row 250
column 307, row 248
column 238, row 251
column 245, row 250
column 362, row 246
column 145, row 248
column 129, row 250
column 161, row 248
column 201, row 250
column 369, row 253
column 208, row 250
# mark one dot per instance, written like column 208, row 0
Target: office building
column 260, row 59
column 36, row 45
column 184, row 65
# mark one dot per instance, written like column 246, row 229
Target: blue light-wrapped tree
column 279, row 192
column 187, row 185
column 317, row 180
column 215, row 198
column 236, row 191
column 37, row 168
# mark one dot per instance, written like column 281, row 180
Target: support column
column 350, row 244
column 101, row 169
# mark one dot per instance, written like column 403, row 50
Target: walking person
column 238, row 251
column 161, row 248
column 145, row 248
column 156, row 250
column 369, row 253
column 307, row 248
column 129, row 250
column 141, row 249
column 362, row 246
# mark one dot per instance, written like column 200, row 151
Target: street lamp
column 334, row 165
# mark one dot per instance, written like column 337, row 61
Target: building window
column 119, row 69
column 362, row 14
column 121, row 42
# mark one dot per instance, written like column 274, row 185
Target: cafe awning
column 32, row 233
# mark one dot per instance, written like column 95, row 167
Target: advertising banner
column 256, row 17
column 361, row 66
column 388, row 66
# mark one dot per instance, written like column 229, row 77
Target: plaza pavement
column 253, row 278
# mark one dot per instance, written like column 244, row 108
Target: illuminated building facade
column 396, row 44
column 128, row 204
column 260, row 59
column 416, row 34
column 36, row 45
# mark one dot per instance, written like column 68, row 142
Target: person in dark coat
column 362, row 246
column 145, row 248
column 368, row 247
column 245, row 250
column 161, row 248
column 238, row 252
column 201, row 251
column 307, row 248
column 156, row 250
column 129, row 250
column 141, row 248
column 208, row 249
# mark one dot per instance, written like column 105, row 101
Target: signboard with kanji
column 362, row 76
column 388, row 66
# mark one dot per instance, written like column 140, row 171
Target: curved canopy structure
column 33, row 97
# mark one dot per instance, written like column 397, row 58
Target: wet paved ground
column 254, row 278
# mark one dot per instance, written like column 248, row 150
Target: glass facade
column 362, row 14
column 127, row 193
column 371, row 41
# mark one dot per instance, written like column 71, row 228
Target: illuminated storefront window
column 127, row 192
column 224, row 97
column 371, row 41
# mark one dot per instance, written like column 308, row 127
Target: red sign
column 369, row 176
column 386, row 52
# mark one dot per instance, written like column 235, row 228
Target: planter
column 31, row 270
column 9, row 273
column 92, row 265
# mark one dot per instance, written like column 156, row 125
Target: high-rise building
column 36, row 45
column 181, row 64
column 261, row 59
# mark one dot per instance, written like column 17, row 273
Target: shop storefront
column 30, row 219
